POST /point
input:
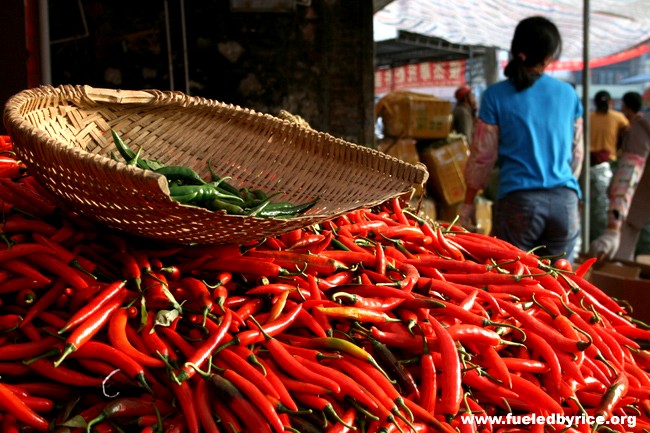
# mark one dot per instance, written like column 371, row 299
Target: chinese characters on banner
column 427, row 74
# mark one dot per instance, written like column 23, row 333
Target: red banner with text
column 426, row 74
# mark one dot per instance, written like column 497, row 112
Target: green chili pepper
column 133, row 158
column 222, row 181
column 285, row 209
column 122, row 148
column 187, row 187
column 185, row 198
column 180, row 173
column 230, row 208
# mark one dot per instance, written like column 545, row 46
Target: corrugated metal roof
column 409, row 47
column 615, row 25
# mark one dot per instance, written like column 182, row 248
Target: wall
column 315, row 61
column 13, row 73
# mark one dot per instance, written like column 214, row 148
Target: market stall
column 368, row 319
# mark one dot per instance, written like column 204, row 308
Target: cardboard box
column 621, row 281
column 404, row 149
column 415, row 115
column 446, row 166
column 401, row 148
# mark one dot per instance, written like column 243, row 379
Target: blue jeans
column 539, row 218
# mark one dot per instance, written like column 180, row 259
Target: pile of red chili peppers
column 375, row 321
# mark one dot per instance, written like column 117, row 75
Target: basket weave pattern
column 63, row 136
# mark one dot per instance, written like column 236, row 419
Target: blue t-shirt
column 536, row 129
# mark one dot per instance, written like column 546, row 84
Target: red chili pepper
column 355, row 313
column 255, row 395
column 380, row 259
column 351, row 258
column 321, row 404
column 295, row 369
column 75, row 261
column 21, row 410
column 207, row 348
column 26, row 350
column 428, row 381
column 304, row 262
column 312, row 243
column 103, row 369
column 65, row 375
column 9, row 321
column 74, row 277
column 398, row 214
column 584, row 267
column 99, row 350
column 363, row 227
column 49, row 390
column 347, row 243
column 238, row 364
column 487, row 387
column 183, row 393
column 278, row 326
column 186, row 348
column 474, row 334
column 13, row 368
column 379, row 304
column 595, row 293
column 203, row 407
column 229, row 420
column 9, row 423
column 495, row 364
column 51, row 319
column 19, row 283
column 129, row 407
column 289, row 383
column 346, row 383
column 428, row 418
column 93, row 324
column 25, row 297
column 447, row 265
column 551, row 335
column 335, row 280
column 20, row 203
column 272, row 289
column 534, row 395
column 19, row 267
column 199, row 291
column 43, row 203
column 374, row 381
column 99, row 300
column 450, row 383
column 249, row 307
column 244, row 265
column 486, row 248
column 526, row 365
column 249, row 415
column 118, row 337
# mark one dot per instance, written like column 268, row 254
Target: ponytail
column 518, row 74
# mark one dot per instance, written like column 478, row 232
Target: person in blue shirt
column 530, row 127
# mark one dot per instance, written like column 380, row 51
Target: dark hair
column 601, row 100
column 633, row 101
column 534, row 40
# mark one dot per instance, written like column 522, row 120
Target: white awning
column 615, row 25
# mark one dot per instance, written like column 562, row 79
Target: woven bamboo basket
column 63, row 136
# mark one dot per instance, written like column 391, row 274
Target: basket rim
column 362, row 157
column 417, row 173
